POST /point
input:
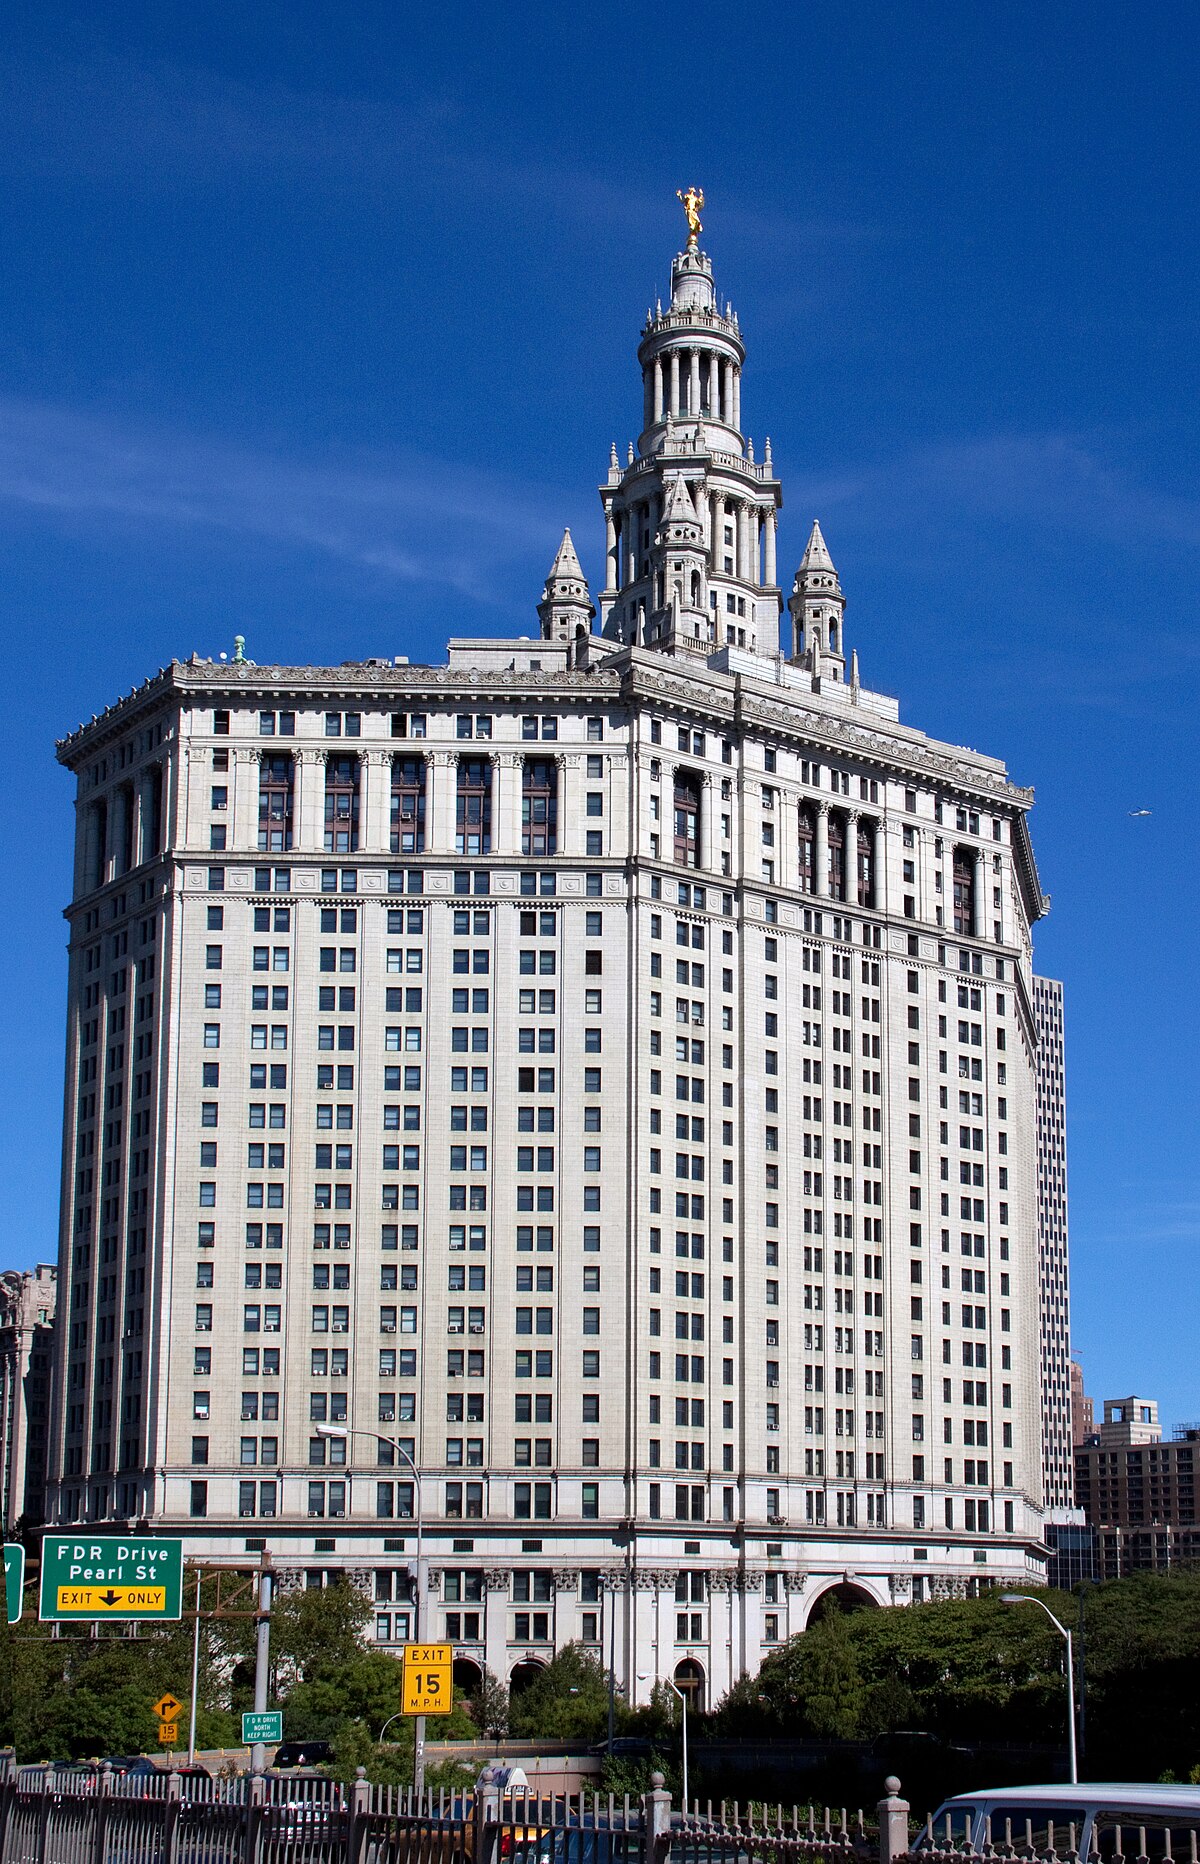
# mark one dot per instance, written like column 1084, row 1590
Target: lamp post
column 340, row 1433
column 645, row 1677
column 1030, row 1598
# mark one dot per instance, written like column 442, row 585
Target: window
column 408, row 805
column 686, row 819
column 275, row 803
column 539, row 806
column 473, row 808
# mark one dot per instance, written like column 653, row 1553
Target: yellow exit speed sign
column 426, row 1679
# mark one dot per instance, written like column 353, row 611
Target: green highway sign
column 14, row 1579
column 266, row 1726
column 102, row 1576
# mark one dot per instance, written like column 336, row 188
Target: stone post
column 656, row 1821
column 893, row 1822
column 850, row 857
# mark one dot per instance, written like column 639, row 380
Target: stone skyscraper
column 602, row 1066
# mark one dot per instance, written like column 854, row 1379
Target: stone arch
column 689, row 1677
column 468, row 1676
column 844, row 1595
column 523, row 1673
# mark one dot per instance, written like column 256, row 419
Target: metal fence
column 86, row 1816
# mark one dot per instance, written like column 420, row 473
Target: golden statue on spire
column 693, row 201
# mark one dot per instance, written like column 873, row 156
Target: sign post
column 265, row 1725
column 426, row 1679
column 14, row 1579
column 105, row 1577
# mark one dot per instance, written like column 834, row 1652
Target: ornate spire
column 818, row 609
column 565, row 609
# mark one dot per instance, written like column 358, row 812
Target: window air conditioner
column 245, row 1512
column 339, row 1326
column 772, row 1383
column 477, row 1326
column 314, row 1514
column 454, row 1327
column 385, row 1328
column 338, row 1514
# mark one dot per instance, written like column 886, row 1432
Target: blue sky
column 316, row 323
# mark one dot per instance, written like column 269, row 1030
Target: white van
column 1109, row 1820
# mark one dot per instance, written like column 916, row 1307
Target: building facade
column 601, row 1069
column 1137, row 1492
column 1053, row 1262
column 27, row 1308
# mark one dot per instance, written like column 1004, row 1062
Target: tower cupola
column 565, row 609
column 818, row 610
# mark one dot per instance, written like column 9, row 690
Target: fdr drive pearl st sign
column 102, row 1577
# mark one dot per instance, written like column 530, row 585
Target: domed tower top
column 691, row 355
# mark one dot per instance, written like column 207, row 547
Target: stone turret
column 691, row 356
column 565, row 610
column 818, row 610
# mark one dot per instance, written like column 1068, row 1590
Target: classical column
column 570, row 805
column 769, row 576
column 710, row 859
column 375, row 823
column 714, row 387
column 496, row 1621
column 850, row 857
column 507, row 771
column 737, row 398
column 743, row 537
column 242, row 813
column 629, row 547
column 118, row 817
column 658, row 388
column 308, row 801
column 647, row 398
column 822, row 855
column 716, row 542
column 694, row 384
column 754, row 526
column 674, row 402
column 441, row 776
column 610, row 545
column 977, row 892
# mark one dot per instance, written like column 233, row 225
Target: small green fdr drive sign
column 14, row 1579
column 266, row 1726
column 102, row 1576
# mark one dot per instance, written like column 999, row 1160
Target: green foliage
column 317, row 1627
column 490, row 1707
column 566, row 1701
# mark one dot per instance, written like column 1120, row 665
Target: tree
column 567, row 1700
column 490, row 1707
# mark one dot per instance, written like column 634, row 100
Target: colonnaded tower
column 583, row 1092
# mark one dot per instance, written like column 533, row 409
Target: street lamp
column 340, row 1433
column 1030, row 1598
column 645, row 1677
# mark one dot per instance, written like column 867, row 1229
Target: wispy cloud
column 416, row 521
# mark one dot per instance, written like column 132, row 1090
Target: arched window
column 837, row 856
column 276, row 790
column 964, row 890
column 408, row 805
column 341, row 805
column 473, row 811
column 866, row 863
column 687, row 819
column 539, row 806
column 689, row 1677
column 808, row 849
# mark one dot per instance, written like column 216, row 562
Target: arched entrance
column 689, row 1677
column 845, row 1597
column 523, row 1674
column 467, row 1676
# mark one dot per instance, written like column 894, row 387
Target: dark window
column 473, row 830
column 341, row 805
column 275, row 797
column 539, row 806
column 408, row 805
column 687, row 819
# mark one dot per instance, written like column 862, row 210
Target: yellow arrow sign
column 167, row 1707
column 101, row 1599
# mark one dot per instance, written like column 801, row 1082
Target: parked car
column 1019, row 1815
column 303, row 1754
